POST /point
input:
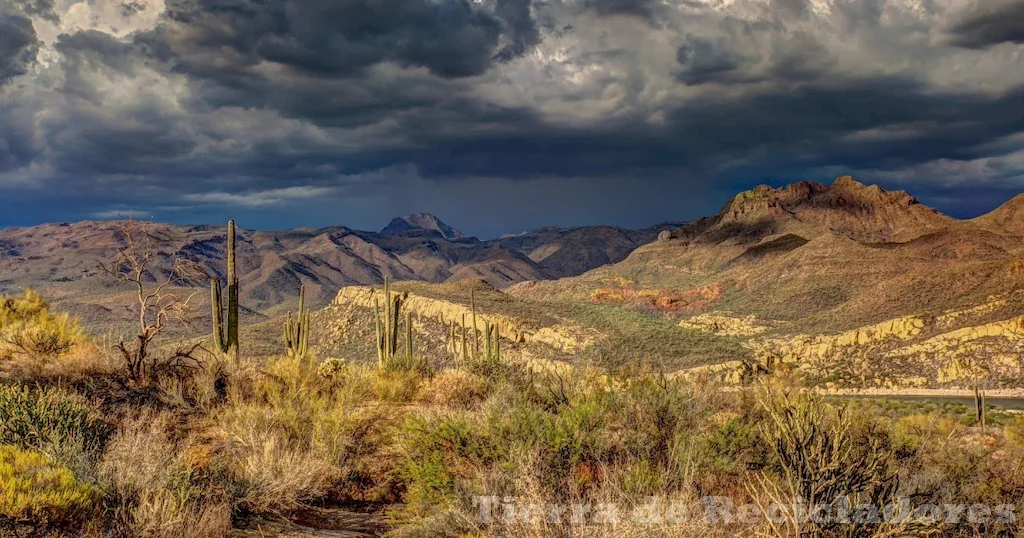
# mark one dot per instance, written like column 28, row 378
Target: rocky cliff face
column 565, row 338
column 847, row 207
column 953, row 349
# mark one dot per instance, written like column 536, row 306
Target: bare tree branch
column 159, row 300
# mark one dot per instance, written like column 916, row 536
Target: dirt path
column 923, row 393
column 354, row 522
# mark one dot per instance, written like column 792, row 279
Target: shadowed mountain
column 421, row 221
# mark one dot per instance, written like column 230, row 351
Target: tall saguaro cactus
column 387, row 328
column 979, row 406
column 225, row 339
column 408, row 339
column 465, row 347
column 296, row 331
column 472, row 306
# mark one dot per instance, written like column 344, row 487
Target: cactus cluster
column 466, row 352
column 296, row 330
column 387, row 325
column 225, row 338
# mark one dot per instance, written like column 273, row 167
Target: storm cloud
column 990, row 25
column 314, row 112
column 18, row 46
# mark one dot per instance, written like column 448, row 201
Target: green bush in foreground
column 33, row 488
column 50, row 419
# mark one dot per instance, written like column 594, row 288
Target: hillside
column 823, row 257
column 850, row 283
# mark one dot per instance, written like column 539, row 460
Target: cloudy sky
column 498, row 115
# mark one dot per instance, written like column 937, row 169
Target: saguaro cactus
column 497, row 341
column 408, row 339
column 225, row 339
column 979, row 406
column 487, row 337
column 472, row 306
column 387, row 328
column 296, row 331
column 465, row 346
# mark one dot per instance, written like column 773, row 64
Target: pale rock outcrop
column 565, row 338
column 724, row 325
column 910, row 351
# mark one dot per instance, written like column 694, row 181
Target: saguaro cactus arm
column 217, row 314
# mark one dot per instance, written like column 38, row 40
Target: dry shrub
column 272, row 477
column 33, row 336
column 453, row 388
column 61, row 424
column 823, row 456
column 197, row 388
column 160, row 488
column 296, row 438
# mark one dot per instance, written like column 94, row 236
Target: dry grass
column 453, row 388
column 162, row 488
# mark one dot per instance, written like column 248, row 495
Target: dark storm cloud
column 131, row 8
column 18, row 45
column 808, row 128
column 223, row 104
column 224, row 40
column 648, row 10
column 989, row 26
column 31, row 8
column 796, row 57
column 523, row 32
column 704, row 61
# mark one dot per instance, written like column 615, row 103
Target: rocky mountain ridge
column 61, row 260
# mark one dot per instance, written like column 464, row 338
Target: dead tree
column 159, row 300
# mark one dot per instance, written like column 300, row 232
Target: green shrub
column 440, row 450
column 735, row 446
column 51, row 420
column 34, row 488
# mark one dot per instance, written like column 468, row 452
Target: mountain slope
column 825, row 257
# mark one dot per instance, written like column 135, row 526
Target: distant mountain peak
column 421, row 221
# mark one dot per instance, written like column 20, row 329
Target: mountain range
column 847, row 281
column 837, row 255
column 854, row 285
column 61, row 260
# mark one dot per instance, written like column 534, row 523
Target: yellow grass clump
column 33, row 488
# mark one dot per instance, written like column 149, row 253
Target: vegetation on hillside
column 216, row 447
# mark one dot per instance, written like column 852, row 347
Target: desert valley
column 854, row 286
column 511, row 268
column 810, row 339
